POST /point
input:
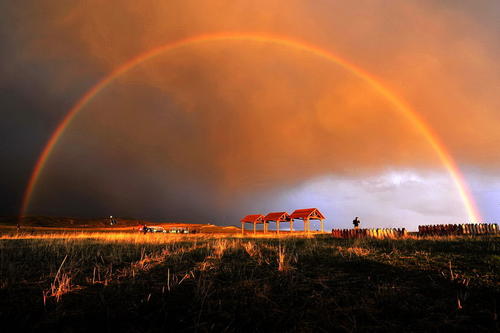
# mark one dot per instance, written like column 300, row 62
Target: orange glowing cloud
column 162, row 91
column 410, row 115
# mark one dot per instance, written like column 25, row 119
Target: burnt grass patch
column 252, row 284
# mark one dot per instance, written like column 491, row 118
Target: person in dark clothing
column 356, row 222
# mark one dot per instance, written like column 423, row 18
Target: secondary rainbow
column 400, row 105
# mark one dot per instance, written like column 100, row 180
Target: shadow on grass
column 322, row 290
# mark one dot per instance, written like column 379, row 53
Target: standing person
column 356, row 222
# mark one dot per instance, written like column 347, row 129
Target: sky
column 214, row 131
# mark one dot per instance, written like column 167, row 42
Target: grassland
column 129, row 282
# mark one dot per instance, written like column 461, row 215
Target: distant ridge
column 68, row 222
column 122, row 224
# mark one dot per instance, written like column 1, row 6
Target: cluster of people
column 144, row 229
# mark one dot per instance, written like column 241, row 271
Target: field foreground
column 144, row 283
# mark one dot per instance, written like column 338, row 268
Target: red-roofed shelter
column 278, row 217
column 255, row 219
column 307, row 215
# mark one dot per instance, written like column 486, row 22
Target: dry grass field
column 130, row 282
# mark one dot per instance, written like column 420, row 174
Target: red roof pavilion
column 277, row 217
column 308, row 213
column 256, row 218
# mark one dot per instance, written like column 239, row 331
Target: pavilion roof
column 308, row 213
column 256, row 218
column 277, row 216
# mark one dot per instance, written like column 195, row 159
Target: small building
column 255, row 219
column 278, row 217
column 306, row 215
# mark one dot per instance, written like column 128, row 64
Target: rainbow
column 402, row 107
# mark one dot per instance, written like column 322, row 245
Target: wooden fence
column 369, row 233
column 458, row 229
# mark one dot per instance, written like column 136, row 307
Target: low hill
column 121, row 224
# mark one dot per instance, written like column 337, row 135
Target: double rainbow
column 401, row 106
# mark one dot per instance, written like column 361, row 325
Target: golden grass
column 359, row 251
column 136, row 237
column 102, row 257
column 92, row 258
column 216, row 269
